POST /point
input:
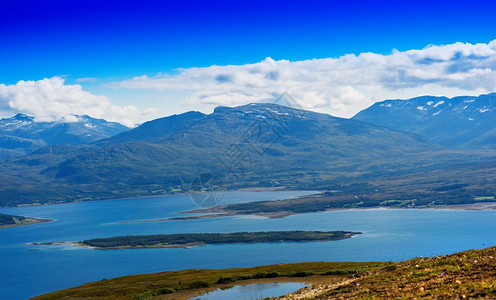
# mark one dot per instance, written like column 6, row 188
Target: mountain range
column 255, row 145
column 460, row 122
column 22, row 134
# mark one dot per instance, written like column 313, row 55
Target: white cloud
column 87, row 79
column 50, row 99
column 339, row 86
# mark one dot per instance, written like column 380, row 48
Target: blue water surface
column 388, row 234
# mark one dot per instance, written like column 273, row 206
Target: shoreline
column 222, row 213
column 74, row 244
column 184, row 286
column 468, row 272
column 244, row 190
column 27, row 221
column 218, row 212
column 82, row 245
column 470, row 206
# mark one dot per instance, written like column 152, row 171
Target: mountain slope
column 267, row 142
column 156, row 130
column 464, row 122
column 463, row 275
column 21, row 134
column 258, row 145
column 253, row 145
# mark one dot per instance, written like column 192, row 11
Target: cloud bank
column 339, row 86
column 50, row 99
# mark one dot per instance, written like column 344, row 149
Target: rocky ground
column 470, row 274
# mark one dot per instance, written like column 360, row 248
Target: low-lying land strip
column 332, row 201
column 7, row 221
column 199, row 239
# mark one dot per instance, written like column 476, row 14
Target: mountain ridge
column 156, row 129
column 22, row 135
column 255, row 145
column 251, row 145
column 466, row 122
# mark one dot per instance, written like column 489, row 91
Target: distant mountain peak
column 259, row 108
column 22, row 134
column 464, row 121
column 23, row 117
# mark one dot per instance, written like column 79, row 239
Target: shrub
column 302, row 274
column 341, row 272
column 266, row 275
column 144, row 296
column 199, row 284
column 166, row 290
column 259, row 275
column 223, row 280
column 245, row 277
column 272, row 275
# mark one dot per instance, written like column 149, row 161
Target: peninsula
column 7, row 221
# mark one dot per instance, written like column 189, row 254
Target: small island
column 201, row 239
column 7, row 221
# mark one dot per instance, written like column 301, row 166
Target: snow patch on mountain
column 438, row 103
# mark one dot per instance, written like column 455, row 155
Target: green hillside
column 258, row 145
column 469, row 274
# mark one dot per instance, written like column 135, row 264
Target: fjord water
column 388, row 234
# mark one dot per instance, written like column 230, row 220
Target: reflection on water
column 253, row 291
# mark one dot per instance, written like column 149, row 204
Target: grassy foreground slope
column 189, row 283
column 469, row 274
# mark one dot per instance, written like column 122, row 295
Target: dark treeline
column 9, row 220
column 217, row 238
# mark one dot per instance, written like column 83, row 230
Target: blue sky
column 97, row 43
